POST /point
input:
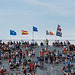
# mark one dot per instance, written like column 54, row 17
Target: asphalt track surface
column 46, row 70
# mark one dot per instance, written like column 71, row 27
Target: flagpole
column 33, row 35
column 46, row 35
column 21, row 35
column 34, row 29
column 10, row 37
column 56, row 36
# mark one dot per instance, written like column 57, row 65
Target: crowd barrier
column 39, row 41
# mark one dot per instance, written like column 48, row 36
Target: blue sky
column 44, row 14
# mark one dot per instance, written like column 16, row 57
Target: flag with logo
column 49, row 33
column 24, row 32
column 12, row 32
column 35, row 29
column 58, row 32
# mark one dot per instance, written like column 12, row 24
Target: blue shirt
column 0, row 53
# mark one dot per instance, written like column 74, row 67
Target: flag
column 58, row 25
column 51, row 33
column 12, row 32
column 35, row 29
column 47, row 33
column 58, row 29
column 24, row 32
column 58, row 34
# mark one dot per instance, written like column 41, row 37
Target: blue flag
column 12, row 32
column 34, row 29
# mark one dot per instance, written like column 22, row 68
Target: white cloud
column 36, row 2
column 59, row 7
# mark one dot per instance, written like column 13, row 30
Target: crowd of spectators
column 66, row 56
column 57, row 43
column 18, row 58
column 12, row 52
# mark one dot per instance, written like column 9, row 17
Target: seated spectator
column 41, row 44
column 0, row 60
column 53, row 44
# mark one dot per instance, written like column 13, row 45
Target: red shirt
column 63, row 49
column 53, row 43
column 27, row 52
column 1, row 72
column 41, row 54
column 63, row 68
column 32, row 65
column 9, row 59
column 29, row 67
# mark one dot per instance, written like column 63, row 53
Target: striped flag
column 24, row 32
